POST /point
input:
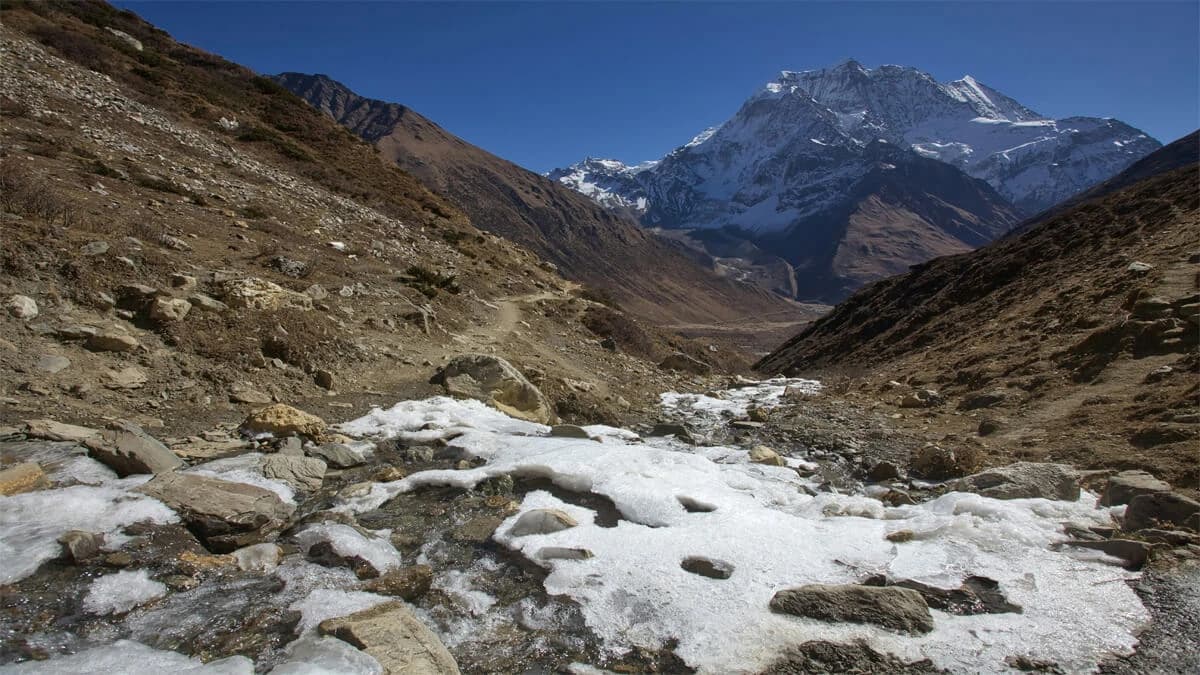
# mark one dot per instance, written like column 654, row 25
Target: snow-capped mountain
column 608, row 182
column 784, row 152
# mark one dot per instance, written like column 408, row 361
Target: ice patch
column 245, row 469
column 132, row 658
column 321, row 656
column 679, row 502
column 349, row 542
column 329, row 603
column 118, row 593
column 31, row 523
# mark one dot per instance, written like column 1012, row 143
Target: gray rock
column 1134, row 553
column 1123, row 487
column 75, row 331
column 204, row 303
column 224, row 514
column 541, row 521
column 168, row 310
column 496, row 382
column 303, row 473
column 52, row 363
column 568, row 431
column 677, row 430
column 290, row 446
column 336, row 455
column 111, row 341
column 78, row 545
column 901, row 609
column 1024, row 480
column 182, row 282
column 1149, row 510
column 126, row 449
column 395, row 638
column 94, row 248
column 244, row 394
column 21, row 307
column 564, row 553
column 324, row 379
column 125, row 378
column 686, row 364
column 884, row 471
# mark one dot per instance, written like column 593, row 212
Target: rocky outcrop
column 1123, row 487
column 1024, row 480
column 408, row 583
column 496, row 382
column 127, row 449
column 225, row 515
column 397, row 639
column 259, row 294
column 302, row 473
column 1162, row 508
column 900, row 609
column 284, row 420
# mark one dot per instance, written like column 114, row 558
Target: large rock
column 169, row 310
column 934, row 462
column 126, row 449
column 1168, row 508
column 302, row 473
column 260, row 294
column 337, row 455
column 1123, row 487
column 901, row 609
column 496, row 382
column 541, row 521
column 21, row 307
column 224, row 514
column 23, row 477
column 57, row 431
column 1024, row 480
column 111, row 341
column 761, row 454
column 284, row 420
column 397, row 639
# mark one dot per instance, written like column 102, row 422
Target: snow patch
column 118, row 593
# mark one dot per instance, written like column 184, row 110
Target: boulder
column 1149, row 510
column 761, row 454
column 284, row 420
column 1123, row 487
column 900, row 609
column 225, row 515
column 182, row 282
column 110, row 341
column 568, row 431
column 679, row 431
column 23, row 477
column 1024, row 480
column 1134, row 553
column 324, row 379
column 408, row 583
column 52, row 363
column 337, row 455
column 884, row 471
column 125, row 378
column 302, row 473
column 921, row 398
column 260, row 294
column 204, row 303
column 245, row 394
column 496, row 382
column 126, row 449
column 541, row 521
column 22, row 307
column 78, row 545
column 168, row 310
column 395, row 638
column 685, row 363
column 934, row 462
column 93, row 248
column 50, row 430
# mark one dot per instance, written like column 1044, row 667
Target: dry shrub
column 629, row 336
column 31, row 196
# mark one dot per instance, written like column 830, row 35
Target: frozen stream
column 761, row 524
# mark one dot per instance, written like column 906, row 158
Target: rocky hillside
column 185, row 240
column 1077, row 336
column 650, row 277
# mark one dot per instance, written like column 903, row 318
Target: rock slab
column 224, row 514
column 126, row 449
column 497, row 383
column 1024, row 480
column 397, row 639
column 900, row 609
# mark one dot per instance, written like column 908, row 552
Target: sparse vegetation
column 429, row 282
column 31, row 196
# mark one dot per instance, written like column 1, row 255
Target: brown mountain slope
column 651, row 277
column 124, row 181
column 1093, row 359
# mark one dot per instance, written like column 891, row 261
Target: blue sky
column 546, row 84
